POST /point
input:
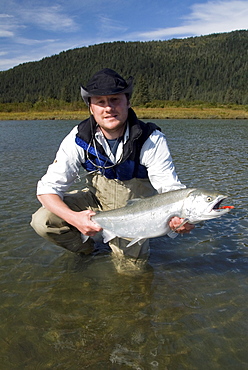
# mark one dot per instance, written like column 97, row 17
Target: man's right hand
column 84, row 223
column 81, row 220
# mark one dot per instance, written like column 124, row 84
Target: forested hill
column 210, row 68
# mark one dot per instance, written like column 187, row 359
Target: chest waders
column 107, row 189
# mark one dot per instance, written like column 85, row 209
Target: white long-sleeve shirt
column 154, row 155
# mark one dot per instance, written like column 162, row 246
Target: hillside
column 210, row 68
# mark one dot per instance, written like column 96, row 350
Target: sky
column 33, row 29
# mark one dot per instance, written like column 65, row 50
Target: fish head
column 202, row 204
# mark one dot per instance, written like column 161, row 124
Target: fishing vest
column 128, row 179
column 129, row 167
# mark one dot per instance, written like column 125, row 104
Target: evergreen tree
column 209, row 68
column 142, row 96
column 230, row 97
column 175, row 92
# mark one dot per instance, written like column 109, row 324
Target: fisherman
column 124, row 158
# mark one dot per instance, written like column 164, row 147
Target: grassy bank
column 170, row 112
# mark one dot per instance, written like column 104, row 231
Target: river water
column 187, row 310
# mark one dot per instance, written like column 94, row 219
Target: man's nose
column 109, row 104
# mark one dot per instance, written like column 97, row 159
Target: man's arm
column 81, row 220
column 155, row 155
column 60, row 175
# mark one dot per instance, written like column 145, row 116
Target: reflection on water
column 187, row 310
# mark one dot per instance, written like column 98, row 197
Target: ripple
column 189, row 310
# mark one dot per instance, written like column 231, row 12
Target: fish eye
column 209, row 199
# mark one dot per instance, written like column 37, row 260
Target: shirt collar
column 103, row 142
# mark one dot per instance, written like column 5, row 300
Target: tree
column 175, row 91
column 141, row 94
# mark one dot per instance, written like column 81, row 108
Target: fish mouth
column 217, row 205
column 217, row 209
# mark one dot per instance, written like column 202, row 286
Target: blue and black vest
column 129, row 167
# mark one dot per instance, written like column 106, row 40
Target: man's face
column 110, row 112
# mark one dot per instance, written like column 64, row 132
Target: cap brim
column 128, row 90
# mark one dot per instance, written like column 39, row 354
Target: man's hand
column 184, row 229
column 82, row 221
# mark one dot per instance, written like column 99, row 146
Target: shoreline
column 142, row 113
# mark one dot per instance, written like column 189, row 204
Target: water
column 188, row 310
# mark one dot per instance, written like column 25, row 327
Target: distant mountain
column 211, row 68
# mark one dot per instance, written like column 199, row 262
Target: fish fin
column 136, row 240
column 183, row 223
column 107, row 235
column 84, row 238
column 172, row 233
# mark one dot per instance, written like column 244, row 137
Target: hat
column 106, row 82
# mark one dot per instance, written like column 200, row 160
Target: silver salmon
column 146, row 218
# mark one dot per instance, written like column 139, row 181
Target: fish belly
column 135, row 226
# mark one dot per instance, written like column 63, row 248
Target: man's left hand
column 184, row 229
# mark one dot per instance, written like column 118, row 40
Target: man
column 124, row 158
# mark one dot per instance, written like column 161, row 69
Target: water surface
column 188, row 310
